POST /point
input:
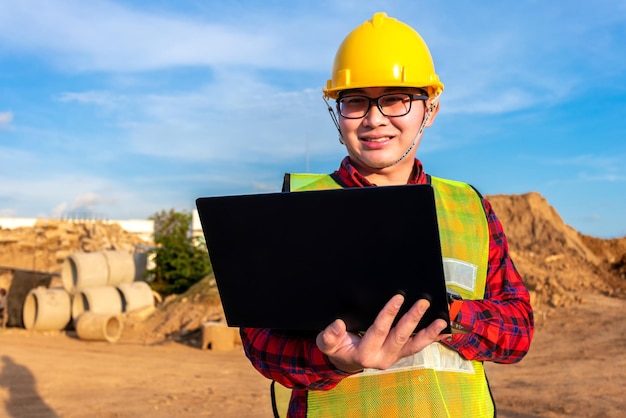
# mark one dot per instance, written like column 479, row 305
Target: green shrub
column 181, row 260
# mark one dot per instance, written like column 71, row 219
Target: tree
column 181, row 260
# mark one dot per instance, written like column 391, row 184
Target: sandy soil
column 575, row 369
column 575, row 366
column 58, row 375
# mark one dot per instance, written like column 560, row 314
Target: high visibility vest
column 436, row 382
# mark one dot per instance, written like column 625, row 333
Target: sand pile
column 45, row 246
column 557, row 263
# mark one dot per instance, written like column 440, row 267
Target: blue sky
column 121, row 109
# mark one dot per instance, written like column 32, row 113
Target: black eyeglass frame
column 411, row 96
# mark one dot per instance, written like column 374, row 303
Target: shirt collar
column 350, row 177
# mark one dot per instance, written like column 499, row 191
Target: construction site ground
column 575, row 369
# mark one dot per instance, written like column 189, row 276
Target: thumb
column 329, row 339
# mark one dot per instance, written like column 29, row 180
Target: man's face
column 375, row 142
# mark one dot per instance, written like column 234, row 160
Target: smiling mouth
column 383, row 139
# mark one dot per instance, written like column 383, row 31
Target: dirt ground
column 56, row 375
column 575, row 368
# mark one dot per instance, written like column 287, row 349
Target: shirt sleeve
column 500, row 326
column 293, row 361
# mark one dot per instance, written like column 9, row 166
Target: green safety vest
column 436, row 382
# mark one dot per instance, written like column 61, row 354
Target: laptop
column 299, row 260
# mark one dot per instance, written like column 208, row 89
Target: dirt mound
column 179, row 318
column 46, row 245
column 557, row 263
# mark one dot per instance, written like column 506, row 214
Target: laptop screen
column 297, row 261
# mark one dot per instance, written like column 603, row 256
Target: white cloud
column 591, row 168
column 59, row 210
column 87, row 202
column 8, row 213
column 5, row 119
column 49, row 194
column 517, row 61
column 84, row 205
column 612, row 163
column 101, row 35
column 235, row 118
column 594, row 217
column 99, row 98
column 603, row 178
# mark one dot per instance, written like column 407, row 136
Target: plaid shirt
column 501, row 325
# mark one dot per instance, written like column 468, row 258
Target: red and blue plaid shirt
column 501, row 325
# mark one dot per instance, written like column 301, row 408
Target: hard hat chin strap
column 334, row 118
column 429, row 111
column 431, row 107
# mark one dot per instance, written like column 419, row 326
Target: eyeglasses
column 390, row 105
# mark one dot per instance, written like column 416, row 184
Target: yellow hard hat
column 383, row 52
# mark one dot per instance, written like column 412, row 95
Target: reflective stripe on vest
column 436, row 382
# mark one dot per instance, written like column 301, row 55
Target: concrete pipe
column 135, row 295
column 121, row 266
column 47, row 309
column 141, row 265
column 84, row 270
column 98, row 300
column 99, row 327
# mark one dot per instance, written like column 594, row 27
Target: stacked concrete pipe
column 100, row 285
column 102, row 268
column 99, row 300
column 135, row 296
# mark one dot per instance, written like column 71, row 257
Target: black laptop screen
column 297, row 261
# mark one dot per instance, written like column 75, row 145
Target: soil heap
column 46, row 245
column 558, row 264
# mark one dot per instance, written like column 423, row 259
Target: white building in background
column 13, row 223
column 144, row 228
column 196, row 227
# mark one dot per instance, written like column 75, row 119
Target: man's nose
column 374, row 116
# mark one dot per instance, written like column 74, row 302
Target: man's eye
column 391, row 100
column 353, row 101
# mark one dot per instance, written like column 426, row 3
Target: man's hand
column 381, row 346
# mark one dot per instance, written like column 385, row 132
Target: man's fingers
column 379, row 330
column 408, row 322
column 431, row 332
column 425, row 337
column 329, row 339
column 405, row 327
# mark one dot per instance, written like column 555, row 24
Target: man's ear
column 433, row 113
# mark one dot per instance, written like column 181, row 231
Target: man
column 386, row 92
